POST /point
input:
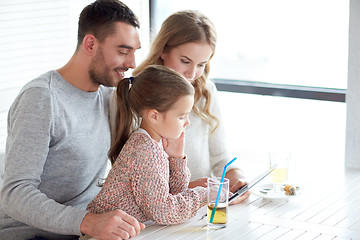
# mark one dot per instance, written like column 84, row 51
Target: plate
column 264, row 191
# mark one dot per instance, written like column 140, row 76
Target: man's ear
column 90, row 44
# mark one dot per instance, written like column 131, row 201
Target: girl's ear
column 153, row 116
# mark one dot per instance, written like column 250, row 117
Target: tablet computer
column 248, row 186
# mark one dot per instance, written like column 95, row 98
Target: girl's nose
column 187, row 122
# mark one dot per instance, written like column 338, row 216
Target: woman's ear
column 163, row 55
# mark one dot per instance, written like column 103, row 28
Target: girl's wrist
column 178, row 163
column 182, row 156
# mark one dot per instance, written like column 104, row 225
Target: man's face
column 115, row 55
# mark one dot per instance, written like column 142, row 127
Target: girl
column 149, row 177
column 186, row 43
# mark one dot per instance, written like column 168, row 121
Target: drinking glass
column 221, row 212
column 280, row 161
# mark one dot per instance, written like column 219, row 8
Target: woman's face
column 188, row 59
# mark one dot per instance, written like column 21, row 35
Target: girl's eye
column 184, row 61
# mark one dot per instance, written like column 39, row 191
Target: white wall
column 41, row 35
column 352, row 149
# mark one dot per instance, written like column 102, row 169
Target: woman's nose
column 190, row 73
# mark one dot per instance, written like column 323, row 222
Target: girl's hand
column 202, row 182
column 175, row 147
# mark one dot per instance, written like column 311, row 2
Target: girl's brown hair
column 157, row 87
column 180, row 28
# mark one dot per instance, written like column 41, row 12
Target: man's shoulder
column 107, row 90
column 107, row 93
column 42, row 81
column 37, row 88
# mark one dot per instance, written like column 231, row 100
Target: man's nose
column 130, row 61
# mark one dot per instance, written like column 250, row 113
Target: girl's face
column 188, row 59
column 173, row 122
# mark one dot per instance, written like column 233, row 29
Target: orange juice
column 220, row 216
column 279, row 175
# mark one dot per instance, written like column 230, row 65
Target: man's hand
column 115, row 225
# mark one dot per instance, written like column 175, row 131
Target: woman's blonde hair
column 157, row 87
column 180, row 28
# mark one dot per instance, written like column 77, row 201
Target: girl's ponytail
column 124, row 119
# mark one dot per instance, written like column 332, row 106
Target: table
column 327, row 208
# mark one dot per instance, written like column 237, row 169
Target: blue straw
column 218, row 195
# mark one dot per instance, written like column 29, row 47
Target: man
column 58, row 136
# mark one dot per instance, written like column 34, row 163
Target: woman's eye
column 184, row 61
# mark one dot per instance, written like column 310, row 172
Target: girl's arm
column 179, row 172
column 150, row 183
column 179, row 175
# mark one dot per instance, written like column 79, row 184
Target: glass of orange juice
column 280, row 161
column 220, row 216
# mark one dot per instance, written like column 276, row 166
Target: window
column 292, row 42
column 296, row 48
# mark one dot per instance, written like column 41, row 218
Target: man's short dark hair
column 99, row 19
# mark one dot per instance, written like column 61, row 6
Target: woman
column 186, row 43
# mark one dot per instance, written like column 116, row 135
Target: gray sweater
column 58, row 138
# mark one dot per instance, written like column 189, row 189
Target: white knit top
column 207, row 152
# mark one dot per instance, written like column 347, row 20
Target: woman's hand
column 202, row 182
column 237, row 181
column 236, row 187
column 175, row 147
